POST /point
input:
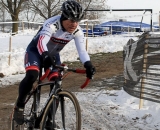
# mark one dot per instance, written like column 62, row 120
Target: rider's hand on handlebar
column 46, row 60
column 90, row 69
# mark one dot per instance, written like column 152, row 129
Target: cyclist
column 55, row 33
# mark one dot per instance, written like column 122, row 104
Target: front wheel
column 65, row 110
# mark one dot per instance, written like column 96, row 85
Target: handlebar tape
column 80, row 71
column 85, row 83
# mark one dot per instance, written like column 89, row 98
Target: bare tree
column 49, row 8
column 29, row 15
column 13, row 7
column 94, row 5
column 46, row 8
column 2, row 17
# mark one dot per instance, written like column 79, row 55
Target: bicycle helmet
column 72, row 10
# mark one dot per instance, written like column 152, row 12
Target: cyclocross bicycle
column 61, row 107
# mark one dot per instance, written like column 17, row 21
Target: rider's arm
column 80, row 45
column 84, row 57
column 45, row 34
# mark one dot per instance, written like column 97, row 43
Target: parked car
column 96, row 32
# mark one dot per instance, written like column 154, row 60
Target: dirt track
column 107, row 66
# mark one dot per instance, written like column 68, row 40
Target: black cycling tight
column 26, row 86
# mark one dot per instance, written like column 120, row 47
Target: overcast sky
column 136, row 4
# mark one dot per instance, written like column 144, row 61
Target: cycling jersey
column 52, row 38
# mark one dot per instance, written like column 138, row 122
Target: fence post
column 144, row 72
column 86, row 35
column 22, row 26
column 10, row 42
column 111, row 29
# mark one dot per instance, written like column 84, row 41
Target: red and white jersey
column 52, row 38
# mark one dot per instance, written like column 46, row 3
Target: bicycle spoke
column 68, row 114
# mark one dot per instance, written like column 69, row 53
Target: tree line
column 40, row 10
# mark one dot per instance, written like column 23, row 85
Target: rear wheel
column 15, row 126
column 67, row 112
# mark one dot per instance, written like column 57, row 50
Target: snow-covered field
column 19, row 42
column 101, row 109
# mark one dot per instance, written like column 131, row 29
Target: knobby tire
column 27, row 114
column 68, row 96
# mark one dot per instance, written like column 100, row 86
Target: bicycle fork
column 63, row 110
column 52, row 112
column 53, row 109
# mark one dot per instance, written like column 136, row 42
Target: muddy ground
column 107, row 65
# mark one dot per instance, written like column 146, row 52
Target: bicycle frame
column 35, row 115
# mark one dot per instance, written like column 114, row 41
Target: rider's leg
column 32, row 65
column 26, row 86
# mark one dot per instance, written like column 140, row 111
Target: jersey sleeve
column 79, row 42
column 45, row 34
